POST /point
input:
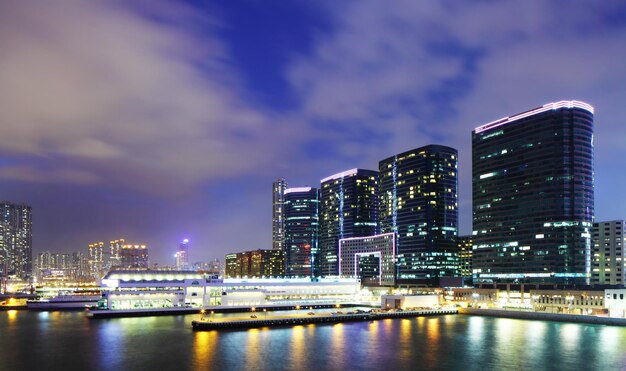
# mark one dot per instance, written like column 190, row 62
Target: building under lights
column 465, row 258
column 533, row 205
column 609, row 256
column 301, row 231
column 16, row 240
column 256, row 263
column 371, row 259
column 348, row 208
column 97, row 257
column 134, row 256
column 132, row 289
column 278, row 214
column 182, row 256
column 418, row 201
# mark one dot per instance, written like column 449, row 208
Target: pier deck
column 207, row 324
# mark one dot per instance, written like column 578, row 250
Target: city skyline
column 177, row 130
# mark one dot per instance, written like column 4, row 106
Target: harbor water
column 69, row 341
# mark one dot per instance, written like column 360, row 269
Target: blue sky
column 162, row 120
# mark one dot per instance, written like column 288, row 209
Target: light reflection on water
column 61, row 341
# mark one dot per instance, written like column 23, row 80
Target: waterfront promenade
column 541, row 316
column 305, row 319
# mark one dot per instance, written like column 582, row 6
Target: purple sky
column 162, row 120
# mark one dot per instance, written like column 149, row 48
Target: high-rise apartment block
column 348, row 208
column 256, row 263
column 533, row 199
column 16, row 240
column 301, row 231
column 97, row 257
column 609, row 254
column 278, row 214
column 418, row 201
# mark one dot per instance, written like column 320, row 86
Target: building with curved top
column 418, row 201
column 533, row 199
column 348, row 208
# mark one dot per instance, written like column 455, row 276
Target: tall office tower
column 301, row 231
column 609, row 264
column 96, row 260
column 135, row 256
column 182, row 256
column 348, row 208
column 532, row 181
column 418, row 201
column 465, row 258
column 278, row 214
column 115, row 253
column 16, row 240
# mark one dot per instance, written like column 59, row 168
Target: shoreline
column 540, row 316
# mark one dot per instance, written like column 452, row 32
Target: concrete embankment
column 148, row 312
column 540, row 316
column 313, row 319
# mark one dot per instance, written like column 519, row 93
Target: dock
column 206, row 323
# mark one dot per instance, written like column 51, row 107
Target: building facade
column 256, row 263
column 348, row 208
column 16, row 240
column 182, row 256
column 465, row 258
column 608, row 253
column 418, row 202
column 278, row 214
column 115, row 257
column 96, row 260
column 533, row 205
column 135, row 256
column 301, row 231
column 372, row 259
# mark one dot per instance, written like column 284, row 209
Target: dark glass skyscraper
column 301, row 231
column 533, row 204
column 418, row 201
column 348, row 208
column 16, row 240
column 278, row 214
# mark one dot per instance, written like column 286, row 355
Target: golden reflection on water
column 298, row 347
column 204, row 346
column 337, row 351
column 253, row 351
column 11, row 316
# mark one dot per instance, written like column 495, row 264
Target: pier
column 207, row 324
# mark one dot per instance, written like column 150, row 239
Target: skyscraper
column 609, row 254
column 301, row 231
column 182, row 256
column 278, row 214
column 533, row 206
column 97, row 255
column 16, row 240
column 418, row 201
column 348, row 208
column 115, row 257
column 465, row 258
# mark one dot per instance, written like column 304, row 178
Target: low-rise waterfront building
column 141, row 289
column 371, row 259
column 568, row 301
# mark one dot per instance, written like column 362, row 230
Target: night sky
column 162, row 120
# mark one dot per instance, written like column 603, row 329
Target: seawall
column 575, row 318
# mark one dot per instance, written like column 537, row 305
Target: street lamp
column 211, row 320
column 265, row 311
column 201, row 314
